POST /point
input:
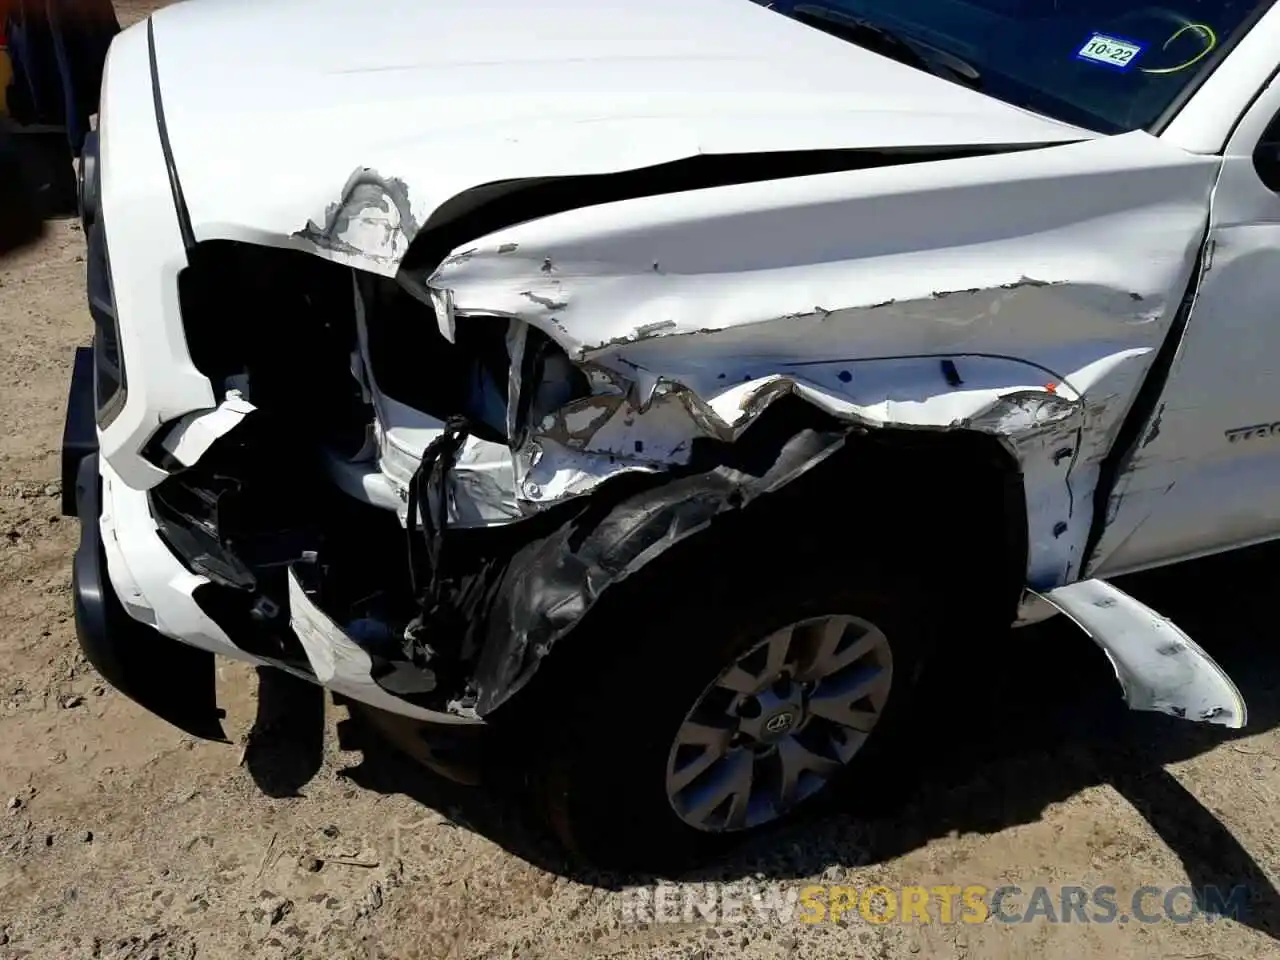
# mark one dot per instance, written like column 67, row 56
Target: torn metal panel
column 1043, row 429
column 1159, row 667
column 481, row 486
column 650, row 425
column 343, row 665
column 371, row 221
column 195, row 433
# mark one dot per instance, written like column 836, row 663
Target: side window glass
column 1266, row 158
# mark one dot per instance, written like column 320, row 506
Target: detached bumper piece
column 1159, row 667
column 168, row 678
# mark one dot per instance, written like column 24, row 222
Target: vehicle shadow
column 1007, row 728
column 285, row 747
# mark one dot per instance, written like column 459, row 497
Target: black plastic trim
column 175, row 185
column 111, row 380
column 79, row 433
column 172, row 680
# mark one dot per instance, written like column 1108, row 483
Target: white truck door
column 1204, row 473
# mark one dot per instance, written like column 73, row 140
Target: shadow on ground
column 285, row 748
column 1008, row 729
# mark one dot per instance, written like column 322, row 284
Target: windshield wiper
column 880, row 39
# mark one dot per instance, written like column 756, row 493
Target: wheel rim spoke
column 840, row 711
column 772, row 656
column 846, row 741
column 777, row 649
column 794, row 761
column 836, row 699
column 837, row 646
column 737, row 679
column 752, row 747
column 712, row 741
column 713, row 735
column 690, row 772
column 728, row 783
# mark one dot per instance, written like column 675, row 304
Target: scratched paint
column 372, row 220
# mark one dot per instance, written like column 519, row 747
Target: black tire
column 21, row 216
column 453, row 751
column 50, row 172
column 603, row 786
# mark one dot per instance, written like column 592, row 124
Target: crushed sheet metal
column 481, row 490
column 1159, row 667
column 646, row 418
column 340, row 664
column 481, row 485
column 195, row 433
column 641, row 422
column 692, row 312
column 888, row 254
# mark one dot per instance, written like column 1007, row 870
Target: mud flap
column 1159, row 667
column 172, row 680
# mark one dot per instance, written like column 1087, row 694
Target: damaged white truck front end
column 410, row 371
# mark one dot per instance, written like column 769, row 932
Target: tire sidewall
column 605, row 783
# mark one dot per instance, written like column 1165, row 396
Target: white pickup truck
column 649, row 387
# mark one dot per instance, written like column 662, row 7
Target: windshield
column 1109, row 65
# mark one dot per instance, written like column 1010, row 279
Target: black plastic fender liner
column 550, row 585
column 170, row 679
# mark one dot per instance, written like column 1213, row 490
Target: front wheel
column 779, row 723
column 726, row 715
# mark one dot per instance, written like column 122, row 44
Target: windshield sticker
column 1111, row 51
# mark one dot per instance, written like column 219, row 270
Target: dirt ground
column 122, row 838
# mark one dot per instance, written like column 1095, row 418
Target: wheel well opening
column 945, row 511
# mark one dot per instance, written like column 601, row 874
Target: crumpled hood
column 276, row 110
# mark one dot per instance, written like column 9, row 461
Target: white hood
column 272, row 104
